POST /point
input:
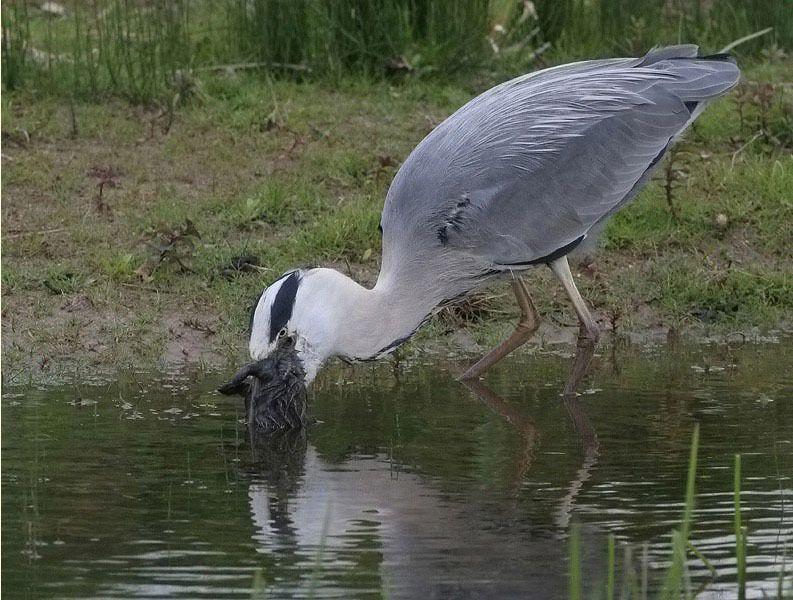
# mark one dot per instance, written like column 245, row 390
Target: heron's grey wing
column 530, row 166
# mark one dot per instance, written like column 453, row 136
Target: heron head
column 284, row 357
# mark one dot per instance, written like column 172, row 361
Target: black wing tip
column 659, row 53
column 720, row 57
column 691, row 106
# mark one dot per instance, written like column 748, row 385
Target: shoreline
column 187, row 355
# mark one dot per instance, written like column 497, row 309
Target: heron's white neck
column 346, row 319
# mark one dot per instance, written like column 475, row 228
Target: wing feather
column 531, row 165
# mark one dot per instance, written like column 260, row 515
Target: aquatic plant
column 675, row 582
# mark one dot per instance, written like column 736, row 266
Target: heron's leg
column 588, row 332
column 527, row 325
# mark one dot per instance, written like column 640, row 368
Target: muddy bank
column 79, row 341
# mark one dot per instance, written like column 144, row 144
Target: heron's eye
column 282, row 333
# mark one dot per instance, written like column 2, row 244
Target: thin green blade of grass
column 740, row 533
column 672, row 587
column 611, row 567
column 628, row 575
column 676, row 576
column 575, row 589
column 708, row 565
column 258, row 588
column 317, row 567
column 645, row 570
column 688, row 509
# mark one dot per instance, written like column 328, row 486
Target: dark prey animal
column 274, row 390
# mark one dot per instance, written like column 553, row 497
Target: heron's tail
column 695, row 79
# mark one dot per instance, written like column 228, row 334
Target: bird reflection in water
column 427, row 541
column 530, row 437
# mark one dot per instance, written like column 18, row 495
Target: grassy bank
column 135, row 235
column 150, row 190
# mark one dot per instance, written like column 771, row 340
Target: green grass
column 160, row 51
column 294, row 173
column 611, row 568
column 675, row 582
column 576, row 592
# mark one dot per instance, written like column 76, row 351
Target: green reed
column 144, row 51
column 611, row 567
column 127, row 48
column 740, row 532
column 574, row 575
column 360, row 36
column 16, row 21
column 608, row 27
column 675, row 582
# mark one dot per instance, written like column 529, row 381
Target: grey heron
column 515, row 178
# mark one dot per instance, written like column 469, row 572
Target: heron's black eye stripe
column 281, row 310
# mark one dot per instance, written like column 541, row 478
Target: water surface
column 410, row 486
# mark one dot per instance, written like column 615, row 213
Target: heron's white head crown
column 285, row 309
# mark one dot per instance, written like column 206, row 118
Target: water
column 410, row 487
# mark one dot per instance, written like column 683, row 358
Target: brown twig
column 18, row 234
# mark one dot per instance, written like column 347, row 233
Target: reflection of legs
column 589, row 444
column 588, row 333
column 525, row 328
column 498, row 405
column 582, row 426
column 525, row 426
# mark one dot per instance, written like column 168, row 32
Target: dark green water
column 408, row 488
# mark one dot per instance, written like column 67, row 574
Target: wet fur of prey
column 274, row 390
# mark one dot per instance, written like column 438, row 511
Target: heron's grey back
column 531, row 165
